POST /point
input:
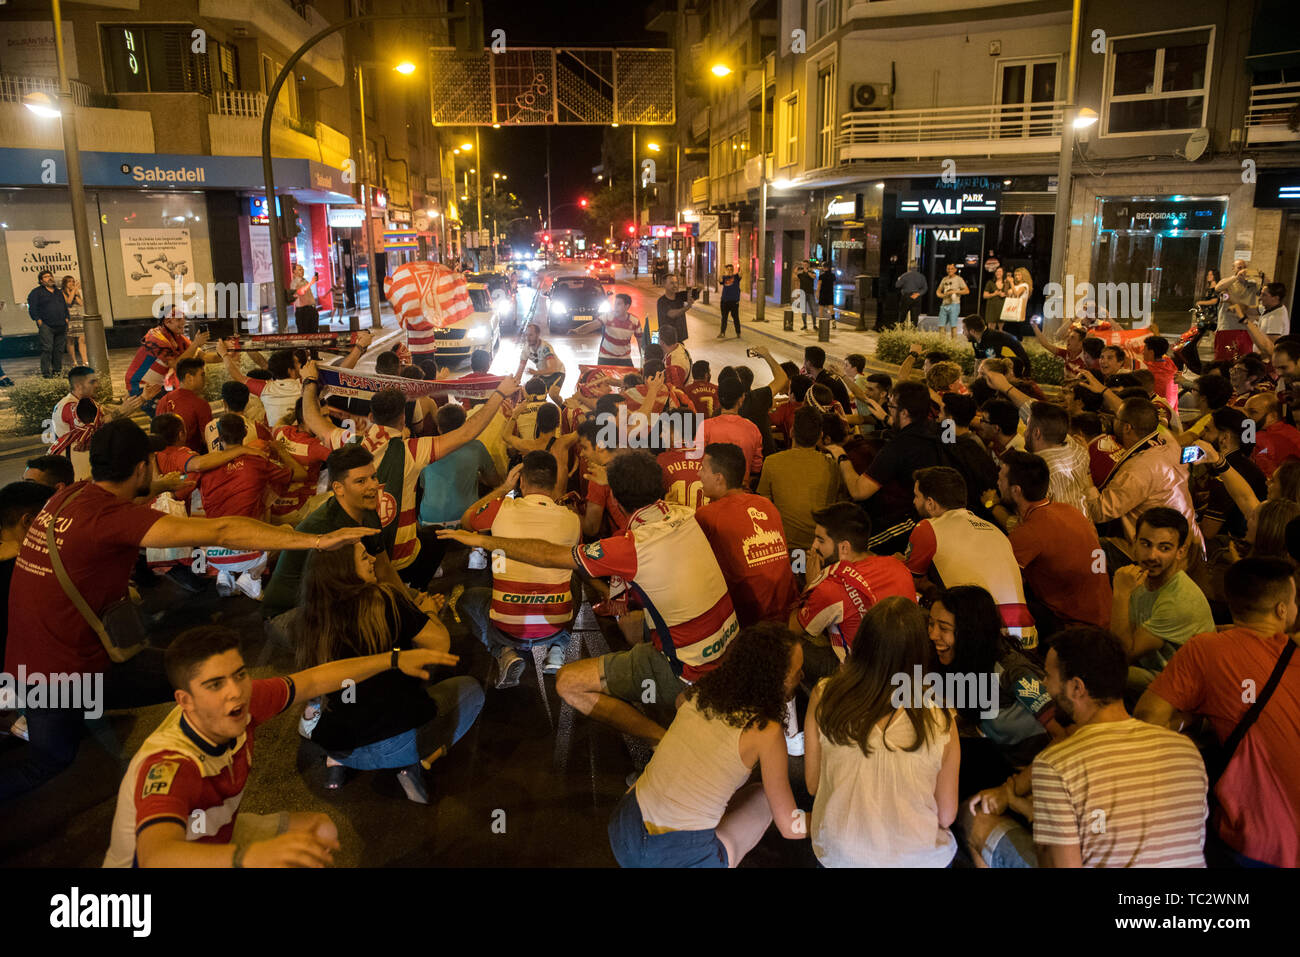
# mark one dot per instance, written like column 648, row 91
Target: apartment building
column 170, row 97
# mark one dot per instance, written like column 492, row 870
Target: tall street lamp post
column 760, row 273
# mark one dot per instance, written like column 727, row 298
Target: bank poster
column 152, row 256
column 30, row 251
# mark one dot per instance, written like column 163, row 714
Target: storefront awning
column 309, row 180
column 1275, row 39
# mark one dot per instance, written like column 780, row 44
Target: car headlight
column 479, row 333
column 501, row 308
column 557, row 308
column 604, row 308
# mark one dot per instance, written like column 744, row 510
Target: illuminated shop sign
column 935, row 203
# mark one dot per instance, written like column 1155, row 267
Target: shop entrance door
column 1173, row 266
column 935, row 247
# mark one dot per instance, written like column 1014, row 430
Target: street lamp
column 760, row 274
column 406, row 68
column 1085, row 118
column 652, row 147
column 43, row 105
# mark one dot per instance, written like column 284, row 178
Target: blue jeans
column 633, row 846
column 477, row 604
column 950, row 314
column 459, row 701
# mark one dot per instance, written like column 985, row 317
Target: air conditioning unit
column 871, row 96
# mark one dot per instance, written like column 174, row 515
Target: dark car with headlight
column 574, row 301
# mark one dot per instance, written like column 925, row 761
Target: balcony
column 235, row 129
column 1274, row 114
column 99, row 128
column 700, row 191
column 287, row 25
column 951, row 131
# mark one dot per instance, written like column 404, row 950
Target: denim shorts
column 950, row 314
column 633, row 846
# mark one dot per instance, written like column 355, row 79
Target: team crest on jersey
column 595, row 550
column 160, row 777
column 387, row 508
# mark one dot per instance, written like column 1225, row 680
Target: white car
column 480, row 330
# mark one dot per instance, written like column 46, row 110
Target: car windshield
column 479, row 299
column 584, row 288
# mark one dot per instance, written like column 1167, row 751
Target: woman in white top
column 883, row 775
column 692, row 806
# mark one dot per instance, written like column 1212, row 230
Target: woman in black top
column 996, row 291
column 391, row 720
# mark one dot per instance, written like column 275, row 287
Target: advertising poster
column 152, row 256
column 259, row 244
column 27, row 49
column 30, row 251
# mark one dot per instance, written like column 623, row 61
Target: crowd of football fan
column 995, row 627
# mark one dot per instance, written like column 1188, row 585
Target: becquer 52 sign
column 947, row 203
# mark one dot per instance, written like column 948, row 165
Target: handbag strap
column 1249, row 718
column 65, row 581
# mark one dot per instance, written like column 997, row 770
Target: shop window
column 140, row 58
column 1158, row 83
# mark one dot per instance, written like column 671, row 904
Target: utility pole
column 636, row 219
column 760, row 276
column 367, row 201
column 1061, row 221
column 548, row 179
column 478, row 189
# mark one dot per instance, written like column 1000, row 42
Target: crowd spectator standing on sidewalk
column 912, row 285
column 951, row 288
column 729, row 301
column 47, row 307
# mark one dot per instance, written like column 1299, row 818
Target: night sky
column 520, row 152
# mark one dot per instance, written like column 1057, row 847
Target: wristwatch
column 393, row 661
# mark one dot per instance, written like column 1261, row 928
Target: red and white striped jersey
column 527, row 601
column 663, row 547
column 427, row 297
column 616, row 340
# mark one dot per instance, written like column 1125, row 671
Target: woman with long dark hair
column 390, row 721
column 692, row 807
column 967, row 634
column 881, row 764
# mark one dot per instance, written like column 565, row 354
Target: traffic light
column 631, row 230
column 289, row 227
column 546, row 237
column 469, row 31
column 583, row 202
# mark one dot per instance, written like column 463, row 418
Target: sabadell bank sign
column 159, row 174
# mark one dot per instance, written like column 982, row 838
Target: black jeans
column 54, row 342
column 307, row 318
column 909, row 310
column 730, row 309
column 54, row 734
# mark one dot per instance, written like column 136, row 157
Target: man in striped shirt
column 1118, row 792
column 526, row 604
column 617, row 333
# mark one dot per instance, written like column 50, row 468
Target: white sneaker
column 249, row 585
column 554, row 658
column 225, row 584
column 19, row 728
column 310, row 718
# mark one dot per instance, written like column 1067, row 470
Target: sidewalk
column 23, row 368
column 704, row 322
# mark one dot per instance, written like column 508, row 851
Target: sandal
column 336, row 775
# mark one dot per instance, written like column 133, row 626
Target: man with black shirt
column 806, row 280
column 914, row 443
column 1221, row 513
column 49, row 310
column 912, row 286
column 989, row 342
column 966, row 452
column 671, row 308
column 814, row 367
column 730, row 300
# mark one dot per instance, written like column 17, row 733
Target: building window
column 1158, row 83
column 288, row 98
column 825, row 118
column 790, row 130
column 142, row 58
column 825, row 17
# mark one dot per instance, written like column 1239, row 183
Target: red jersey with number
column 705, row 397
column 682, row 477
column 748, row 540
column 194, row 412
column 180, row 777
column 598, row 494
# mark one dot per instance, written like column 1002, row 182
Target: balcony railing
column 951, row 131
column 249, row 104
column 1274, row 113
column 14, row 88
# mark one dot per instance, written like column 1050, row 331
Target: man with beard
column 539, row 352
column 1155, row 605
column 1147, row 784
column 99, row 533
column 914, row 443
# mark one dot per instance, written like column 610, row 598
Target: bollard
column 704, row 295
column 861, row 322
column 823, row 330
column 787, row 322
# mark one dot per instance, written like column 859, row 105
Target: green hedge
column 892, row 346
column 33, row 400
